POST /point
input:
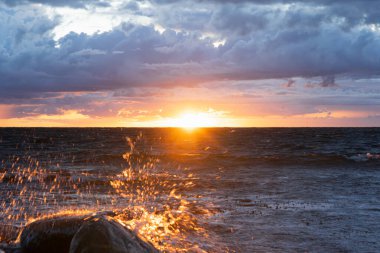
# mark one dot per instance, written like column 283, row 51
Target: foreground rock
column 106, row 235
column 79, row 234
column 50, row 235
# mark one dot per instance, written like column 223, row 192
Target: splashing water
column 160, row 214
column 149, row 199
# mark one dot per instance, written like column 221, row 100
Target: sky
column 149, row 63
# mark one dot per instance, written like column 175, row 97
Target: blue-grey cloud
column 130, row 55
column 70, row 3
column 324, row 40
column 261, row 42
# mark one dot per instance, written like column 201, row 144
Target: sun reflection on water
column 146, row 198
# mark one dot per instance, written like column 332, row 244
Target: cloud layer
column 161, row 47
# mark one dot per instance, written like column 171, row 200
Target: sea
column 201, row 190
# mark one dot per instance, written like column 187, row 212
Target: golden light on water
column 148, row 200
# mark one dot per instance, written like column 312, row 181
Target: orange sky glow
column 185, row 119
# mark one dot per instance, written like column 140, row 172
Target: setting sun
column 192, row 120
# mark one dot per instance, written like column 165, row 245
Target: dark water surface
column 246, row 190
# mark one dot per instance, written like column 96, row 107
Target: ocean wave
column 230, row 159
column 115, row 161
column 364, row 157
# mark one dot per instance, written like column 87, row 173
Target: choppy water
column 232, row 190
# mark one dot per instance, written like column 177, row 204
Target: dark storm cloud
column 239, row 20
column 328, row 81
column 127, row 56
column 290, row 83
column 264, row 40
column 312, row 38
column 349, row 12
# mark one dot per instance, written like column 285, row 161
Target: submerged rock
column 8, row 233
column 106, row 235
column 10, row 248
column 80, row 234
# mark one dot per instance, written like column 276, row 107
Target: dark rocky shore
column 78, row 234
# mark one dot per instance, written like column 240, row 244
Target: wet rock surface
column 50, row 235
column 102, row 234
column 78, row 234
